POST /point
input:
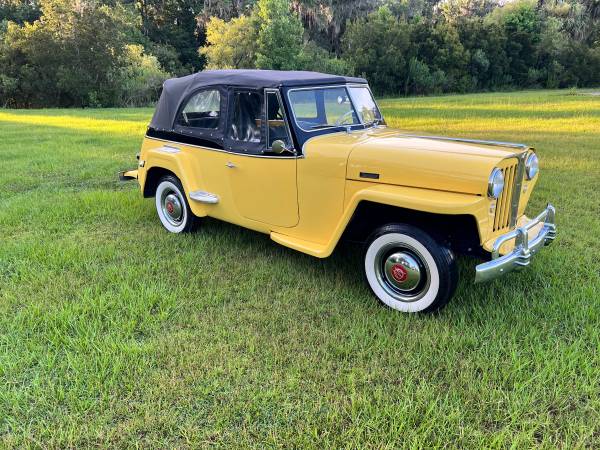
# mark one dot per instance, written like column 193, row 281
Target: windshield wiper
column 374, row 122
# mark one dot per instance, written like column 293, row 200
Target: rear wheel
column 408, row 270
column 172, row 207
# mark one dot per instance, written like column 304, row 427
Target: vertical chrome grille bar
column 516, row 195
column 507, row 205
column 506, row 197
column 499, row 202
column 509, row 191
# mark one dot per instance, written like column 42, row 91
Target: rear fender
column 177, row 163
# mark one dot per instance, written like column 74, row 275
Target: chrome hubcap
column 172, row 207
column 402, row 272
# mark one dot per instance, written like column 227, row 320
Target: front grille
column 505, row 211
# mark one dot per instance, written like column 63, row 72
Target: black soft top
column 175, row 90
column 261, row 78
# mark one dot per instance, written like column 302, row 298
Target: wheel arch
column 395, row 204
column 153, row 176
column 459, row 232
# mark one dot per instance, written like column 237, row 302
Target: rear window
column 203, row 110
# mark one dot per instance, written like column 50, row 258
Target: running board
column 204, row 197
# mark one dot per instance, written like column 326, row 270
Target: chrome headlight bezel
column 532, row 166
column 495, row 183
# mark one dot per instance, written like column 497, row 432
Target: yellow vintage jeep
column 308, row 159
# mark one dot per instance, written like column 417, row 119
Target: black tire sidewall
column 443, row 258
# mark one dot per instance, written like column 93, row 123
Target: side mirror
column 279, row 147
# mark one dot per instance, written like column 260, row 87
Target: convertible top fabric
column 176, row 90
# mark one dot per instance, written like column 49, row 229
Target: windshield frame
column 336, row 128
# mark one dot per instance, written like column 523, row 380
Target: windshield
column 320, row 108
column 365, row 105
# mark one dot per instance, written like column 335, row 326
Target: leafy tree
column 325, row 20
column 522, row 25
column 313, row 57
column 19, row 11
column 74, row 55
column 453, row 10
column 440, row 48
column 378, row 47
column 141, row 77
column 111, row 52
column 172, row 24
column 280, row 32
column 231, row 45
column 484, row 43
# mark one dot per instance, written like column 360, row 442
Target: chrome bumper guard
column 524, row 249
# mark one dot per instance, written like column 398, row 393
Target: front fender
column 417, row 199
column 426, row 200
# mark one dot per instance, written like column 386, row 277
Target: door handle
column 231, row 165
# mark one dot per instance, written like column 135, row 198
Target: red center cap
column 399, row 273
column 170, row 207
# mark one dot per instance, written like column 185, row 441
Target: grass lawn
column 115, row 333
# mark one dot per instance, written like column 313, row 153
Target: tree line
column 90, row 53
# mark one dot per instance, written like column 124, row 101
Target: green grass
column 115, row 333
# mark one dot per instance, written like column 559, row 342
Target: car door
column 263, row 184
column 199, row 128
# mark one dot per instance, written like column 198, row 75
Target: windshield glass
column 364, row 104
column 319, row 108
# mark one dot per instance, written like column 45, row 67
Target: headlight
column 495, row 183
column 532, row 166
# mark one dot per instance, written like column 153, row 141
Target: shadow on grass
column 346, row 264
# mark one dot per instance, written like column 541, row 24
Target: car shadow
column 345, row 265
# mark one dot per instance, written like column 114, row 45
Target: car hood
column 390, row 156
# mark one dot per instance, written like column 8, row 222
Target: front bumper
column 524, row 248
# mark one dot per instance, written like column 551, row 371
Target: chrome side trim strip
column 204, row 197
column 472, row 141
column 168, row 149
column 228, row 152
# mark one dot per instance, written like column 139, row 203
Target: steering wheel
column 343, row 117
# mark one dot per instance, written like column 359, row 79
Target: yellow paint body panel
column 131, row 173
column 256, row 193
column 406, row 197
column 305, row 203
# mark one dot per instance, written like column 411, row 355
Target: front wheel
column 172, row 206
column 408, row 270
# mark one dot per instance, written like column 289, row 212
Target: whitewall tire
column 172, row 207
column 408, row 270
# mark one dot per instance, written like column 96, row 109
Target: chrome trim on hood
column 471, row 141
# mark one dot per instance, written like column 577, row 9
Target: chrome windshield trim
column 334, row 127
